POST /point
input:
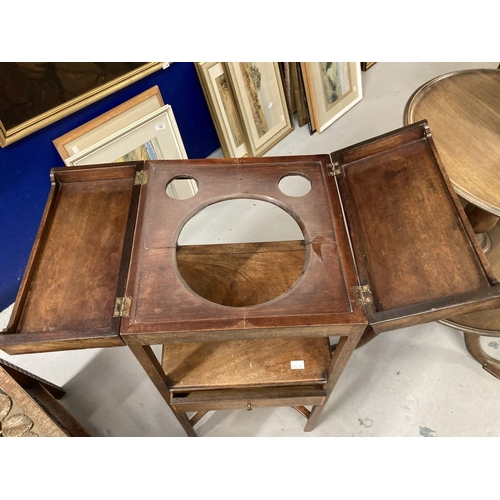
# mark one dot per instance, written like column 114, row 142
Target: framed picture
column 286, row 78
column 365, row 66
column 109, row 123
column 222, row 105
column 261, row 102
column 154, row 137
column 332, row 88
column 300, row 95
column 34, row 95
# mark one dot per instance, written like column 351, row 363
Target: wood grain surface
column 463, row 112
column 249, row 363
column 321, row 294
column 411, row 238
column 66, row 299
column 487, row 322
column 243, row 274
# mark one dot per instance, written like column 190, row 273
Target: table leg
column 482, row 222
column 153, row 369
column 338, row 362
column 368, row 335
column 473, row 344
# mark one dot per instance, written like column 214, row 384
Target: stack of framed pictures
column 248, row 105
column 251, row 103
column 143, row 128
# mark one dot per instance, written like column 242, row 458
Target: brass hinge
column 363, row 295
column 141, row 178
column 122, row 307
column 334, row 169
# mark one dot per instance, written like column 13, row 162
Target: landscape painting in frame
column 332, row 88
column 260, row 95
column 152, row 137
column 147, row 151
column 108, row 123
column 223, row 108
column 231, row 112
column 336, row 80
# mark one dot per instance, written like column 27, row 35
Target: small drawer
column 247, row 399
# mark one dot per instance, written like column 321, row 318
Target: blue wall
column 25, row 164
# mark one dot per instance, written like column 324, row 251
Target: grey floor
column 418, row 381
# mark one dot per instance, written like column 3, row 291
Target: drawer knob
column 249, row 407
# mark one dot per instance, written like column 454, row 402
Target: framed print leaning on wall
column 261, row 102
column 332, row 88
column 36, row 94
column 223, row 108
column 365, row 66
column 109, row 123
column 154, row 137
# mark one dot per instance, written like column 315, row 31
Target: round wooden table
column 463, row 112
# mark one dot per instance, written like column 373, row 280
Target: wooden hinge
column 334, row 169
column 141, row 178
column 122, row 307
column 363, row 295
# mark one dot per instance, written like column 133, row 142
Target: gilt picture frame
column 260, row 97
column 332, row 89
column 154, row 137
column 223, row 108
column 365, row 66
column 27, row 83
column 109, row 123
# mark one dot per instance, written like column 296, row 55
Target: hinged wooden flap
column 79, row 262
column 412, row 242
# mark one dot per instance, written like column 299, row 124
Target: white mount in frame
column 154, row 137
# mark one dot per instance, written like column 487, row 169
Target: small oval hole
column 296, row 185
column 182, row 187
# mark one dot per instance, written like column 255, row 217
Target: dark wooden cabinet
column 386, row 244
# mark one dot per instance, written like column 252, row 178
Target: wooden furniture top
column 322, row 297
column 385, row 238
column 463, row 112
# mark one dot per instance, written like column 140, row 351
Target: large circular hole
column 182, row 187
column 295, row 185
column 241, row 252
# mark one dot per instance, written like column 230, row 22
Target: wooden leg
column 153, row 369
column 482, row 222
column 473, row 344
column 368, row 335
column 185, row 422
column 339, row 360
